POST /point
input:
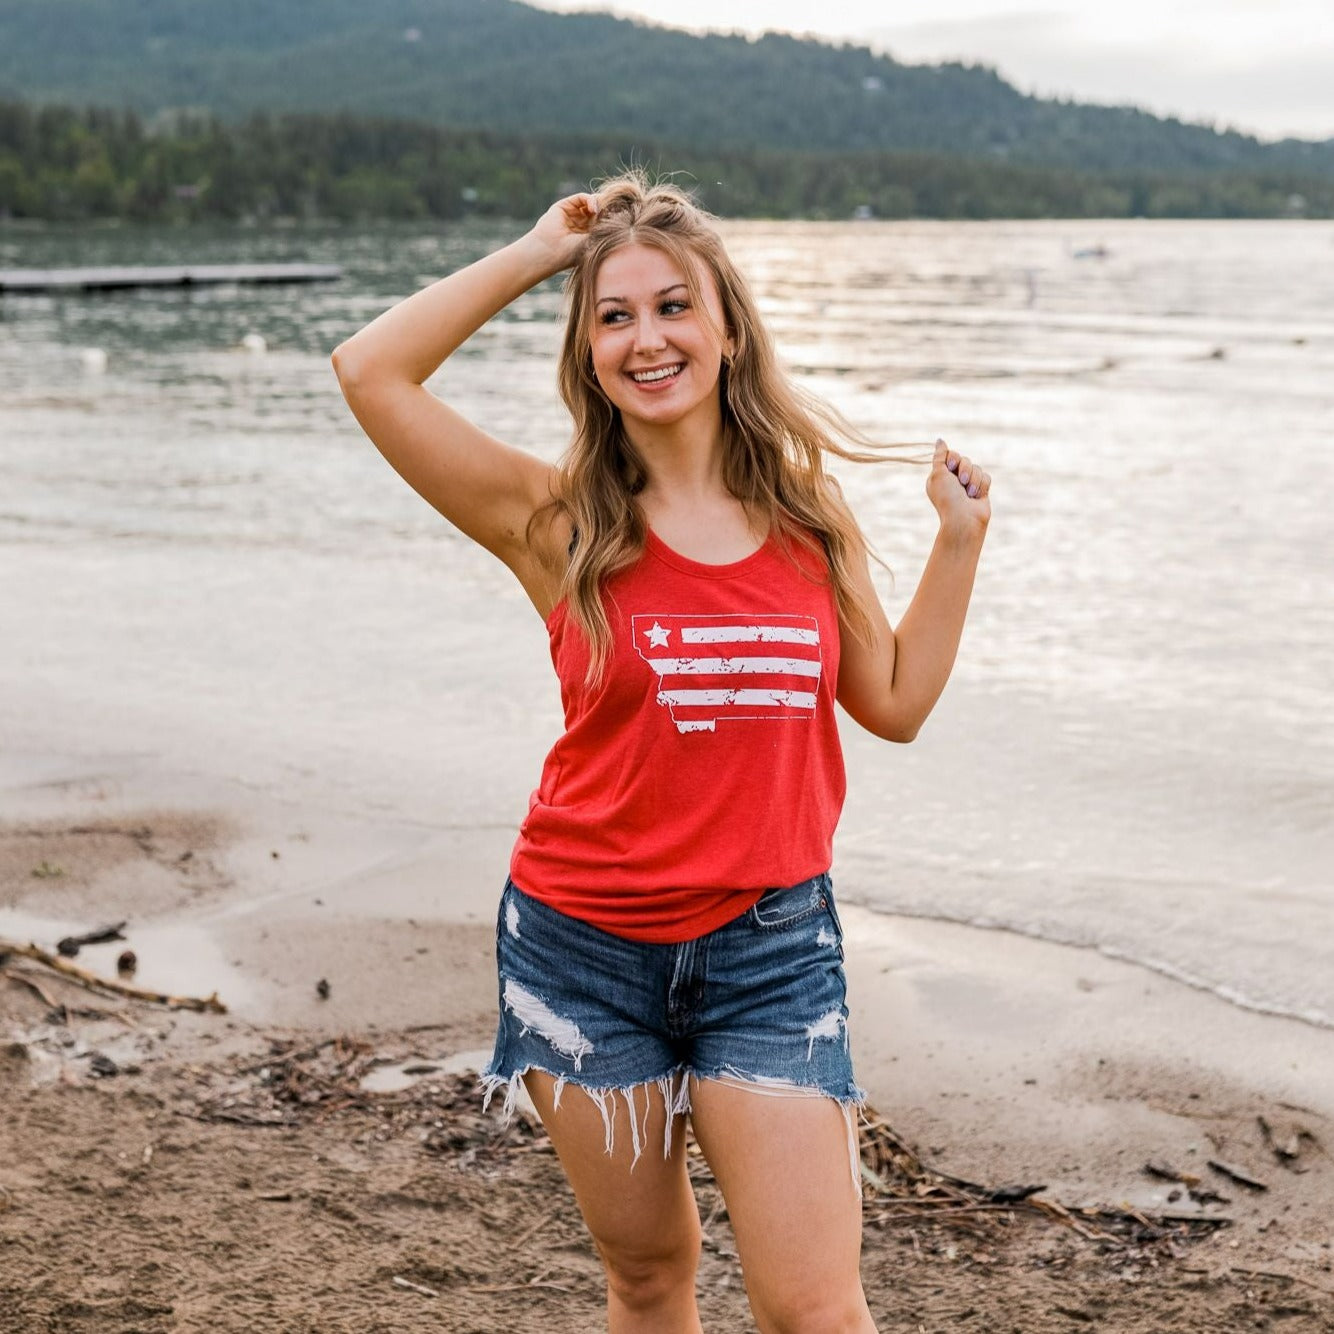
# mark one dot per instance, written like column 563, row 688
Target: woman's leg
column 644, row 1220
column 783, row 1163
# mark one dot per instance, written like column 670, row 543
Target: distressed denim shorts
column 759, row 1002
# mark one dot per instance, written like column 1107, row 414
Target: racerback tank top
column 705, row 767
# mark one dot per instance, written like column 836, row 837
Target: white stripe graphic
column 795, row 699
column 748, row 634
column 742, row 682
column 729, row 666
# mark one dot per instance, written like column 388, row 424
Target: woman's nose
column 648, row 335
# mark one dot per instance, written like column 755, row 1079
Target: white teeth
column 645, row 377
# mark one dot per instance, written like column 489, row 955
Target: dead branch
column 94, row 983
column 34, row 986
column 529, row 1232
column 537, row 1281
column 899, row 1186
column 69, row 946
column 1274, row 1273
column 414, row 1287
column 1238, row 1174
column 1166, row 1172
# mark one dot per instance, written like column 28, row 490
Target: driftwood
column 1289, row 1151
column 1195, row 1187
column 94, row 983
column 35, row 987
column 1238, row 1174
column 1279, row 1274
column 1166, row 1172
column 414, row 1287
column 899, row 1186
column 68, row 946
column 537, row 1281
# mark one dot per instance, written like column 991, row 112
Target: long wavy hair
column 775, row 436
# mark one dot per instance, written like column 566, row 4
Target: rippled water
column 203, row 557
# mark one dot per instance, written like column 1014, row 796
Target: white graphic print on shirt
column 698, row 660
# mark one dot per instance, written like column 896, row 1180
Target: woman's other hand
column 563, row 228
column 959, row 489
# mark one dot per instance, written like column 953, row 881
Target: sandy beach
column 167, row 1170
column 260, row 704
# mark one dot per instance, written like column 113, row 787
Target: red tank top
column 706, row 766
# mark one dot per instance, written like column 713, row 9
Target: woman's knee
column 643, row 1277
column 798, row 1312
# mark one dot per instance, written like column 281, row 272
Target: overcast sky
column 1265, row 66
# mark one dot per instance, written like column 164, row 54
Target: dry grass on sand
column 257, row 1188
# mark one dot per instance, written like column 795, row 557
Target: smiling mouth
column 662, row 373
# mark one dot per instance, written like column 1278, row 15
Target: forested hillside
column 505, row 66
column 67, row 164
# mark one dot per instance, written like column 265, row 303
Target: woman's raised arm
column 487, row 489
column 890, row 685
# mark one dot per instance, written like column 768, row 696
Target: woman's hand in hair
column 563, row 228
column 959, row 490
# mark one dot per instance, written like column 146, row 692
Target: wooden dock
column 193, row 275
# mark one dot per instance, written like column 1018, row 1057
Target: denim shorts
column 759, row 1002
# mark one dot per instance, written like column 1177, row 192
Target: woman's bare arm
column 487, row 489
column 891, row 685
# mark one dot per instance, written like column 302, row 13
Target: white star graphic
column 657, row 636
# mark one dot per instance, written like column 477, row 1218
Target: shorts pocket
column 779, row 909
column 833, row 910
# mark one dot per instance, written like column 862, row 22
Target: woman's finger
column 974, row 480
column 979, row 483
column 580, row 210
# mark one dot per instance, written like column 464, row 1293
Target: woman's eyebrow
column 625, row 301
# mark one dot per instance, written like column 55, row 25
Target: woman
column 668, row 942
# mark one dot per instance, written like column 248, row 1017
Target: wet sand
column 997, row 1058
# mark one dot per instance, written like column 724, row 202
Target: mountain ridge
column 506, row 66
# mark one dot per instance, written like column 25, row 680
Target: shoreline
column 1230, row 996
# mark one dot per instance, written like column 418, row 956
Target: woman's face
column 656, row 357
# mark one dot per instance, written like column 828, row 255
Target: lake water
column 201, row 558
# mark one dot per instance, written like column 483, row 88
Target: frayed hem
column 676, row 1100
column 674, row 1089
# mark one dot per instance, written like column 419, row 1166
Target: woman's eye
column 620, row 316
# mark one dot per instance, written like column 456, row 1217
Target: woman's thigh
column 579, row 1026
column 774, row 1103
column 639, row 1206
column 782, row 1162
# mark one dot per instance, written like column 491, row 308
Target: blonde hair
column 775, row 436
